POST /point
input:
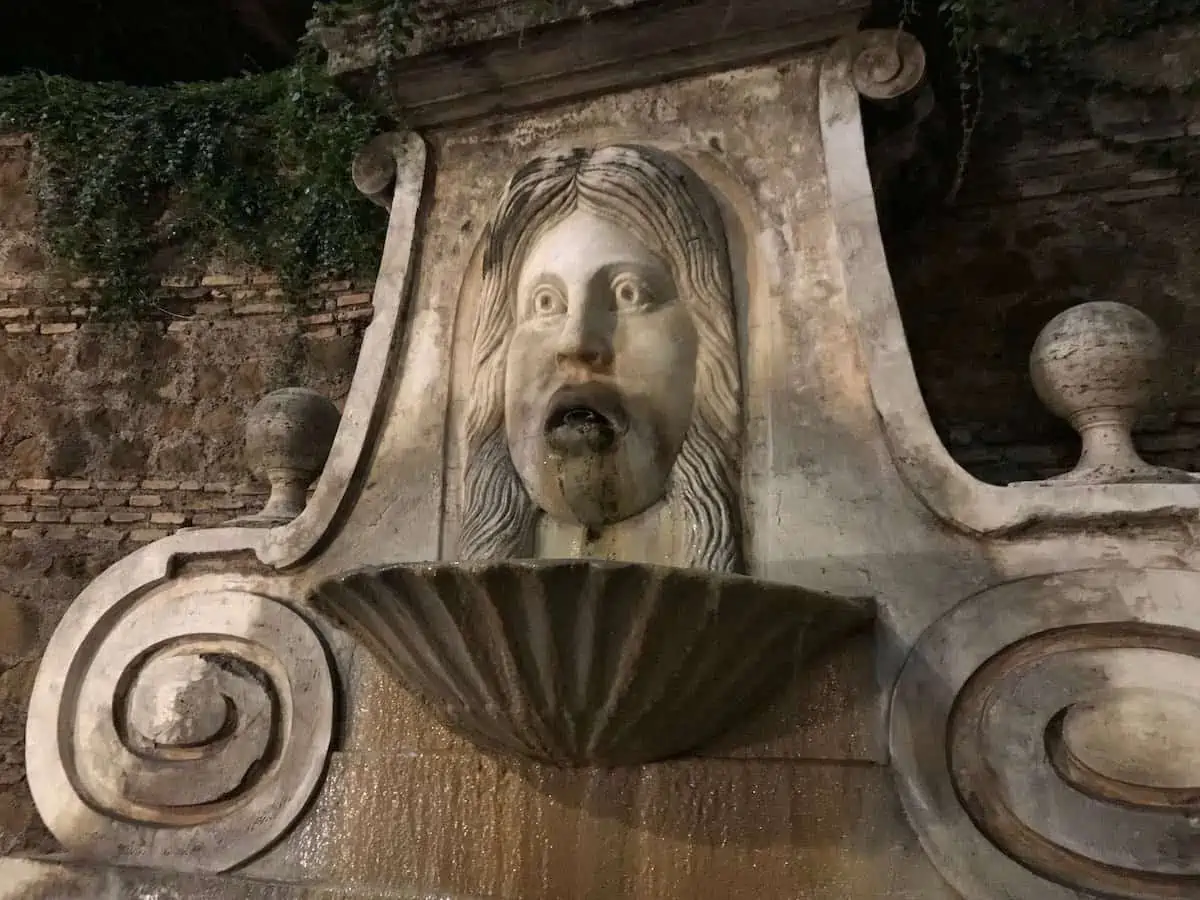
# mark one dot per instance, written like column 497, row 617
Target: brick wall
column 1057, row 210
column 113, row 435
column 184, row 302
column 66, row 509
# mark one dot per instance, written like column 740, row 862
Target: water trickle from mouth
column 578, row 430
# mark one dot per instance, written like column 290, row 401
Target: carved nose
column 584, row 340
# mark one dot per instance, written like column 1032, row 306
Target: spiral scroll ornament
column 887, row 63
column 185, row 727
column 1046, row 736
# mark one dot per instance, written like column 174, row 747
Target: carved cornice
column 610, row 51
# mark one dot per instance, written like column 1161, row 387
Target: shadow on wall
column 38, row 580
column 977, row 284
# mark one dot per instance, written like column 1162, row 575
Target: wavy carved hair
column 652, row 195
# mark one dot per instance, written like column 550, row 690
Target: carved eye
column 546, row 301
column 631, row 292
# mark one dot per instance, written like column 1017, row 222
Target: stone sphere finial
column 1097, row 365
column 375, row 167
column 288, row 437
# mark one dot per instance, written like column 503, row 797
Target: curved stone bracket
column 185, row 726
column 952, row 493
column 1046, row 738
column 291, row 543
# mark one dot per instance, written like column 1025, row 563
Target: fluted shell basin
column 580, row 662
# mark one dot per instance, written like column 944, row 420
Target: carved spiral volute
column 185, row 727
column 1046, row 734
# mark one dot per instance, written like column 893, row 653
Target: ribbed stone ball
column 1100, row 355
column 292, row 428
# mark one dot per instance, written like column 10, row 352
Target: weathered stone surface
column 811, row 519
column 832, row 497
column 18, row 630
column 734, row 830
column 288, row 436
column 587, row 663
column 828, row 712
column 490, row 61
column 1098, row 365
column 1045, row 734
column 128, row 401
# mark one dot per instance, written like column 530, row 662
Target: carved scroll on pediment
column 1046, row 736
column 603, row 359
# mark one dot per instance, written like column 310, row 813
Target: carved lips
column 585, row 419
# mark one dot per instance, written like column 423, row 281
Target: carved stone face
column 601, row 372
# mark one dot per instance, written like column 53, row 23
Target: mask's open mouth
column 584, row 419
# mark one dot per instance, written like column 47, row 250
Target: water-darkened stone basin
column 586, row 662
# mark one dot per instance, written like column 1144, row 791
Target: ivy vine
column 392, row 26
column 1052, row 42
column 129, row 178
column 257, row 165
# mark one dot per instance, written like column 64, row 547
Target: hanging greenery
column 259, row 165
column 255, row 165
column 392, row 26
column 1053, row 42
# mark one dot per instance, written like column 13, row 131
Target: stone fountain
column 575, row 599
